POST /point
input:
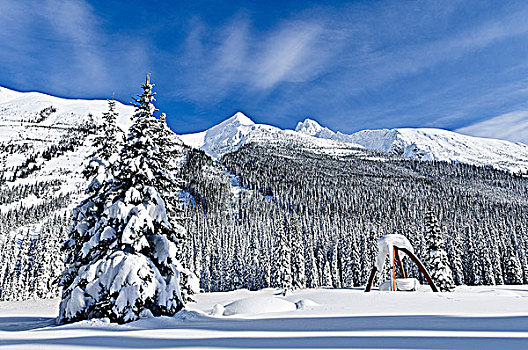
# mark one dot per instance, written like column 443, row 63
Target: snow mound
column 402, row 284
column 304, row 304
column 218, row 310
column 258, row 305
column 94, row 323
column 185, row 315
column 505, row 293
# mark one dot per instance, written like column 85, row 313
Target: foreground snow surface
column 472, row 317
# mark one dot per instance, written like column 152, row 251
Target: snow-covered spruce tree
column 297, row 264
column 335, row 266
column 238, row 270
column 512, row 267
column 312, row 270
column 255, row 274
column 171, row 150
column 455, row 251
column 121, row 253
column 435, row 255
column 281, row 261
column 326, row 275
column 107, row 144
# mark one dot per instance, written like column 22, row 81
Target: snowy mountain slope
column 239, row 130
column 432, row 144
column 21, row 106
column 44, row 144
column 38, row 120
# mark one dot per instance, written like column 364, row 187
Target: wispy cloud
column 289, row 54
column 63, row 48
column 236, row 58
column 388, row 73
column 385, row 65
column 511, row 126
column 333, row 55
column 75, row 23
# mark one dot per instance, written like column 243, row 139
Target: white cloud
column 75, row 23
column 289, row 54
column 233, row 50
column 510, row 126
column 236, row 59
column 61, row 47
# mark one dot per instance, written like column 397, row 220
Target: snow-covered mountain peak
column 313, row 128
column 239, row 118
column 308, row 126
column 227, row 136
column 239, row 130
column 412, row 143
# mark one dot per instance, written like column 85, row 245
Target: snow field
column 471, row 317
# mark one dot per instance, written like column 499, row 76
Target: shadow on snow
column 328, row 342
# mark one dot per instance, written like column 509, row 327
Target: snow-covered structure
column 391, row 246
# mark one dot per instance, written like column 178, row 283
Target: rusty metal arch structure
column 414, row 259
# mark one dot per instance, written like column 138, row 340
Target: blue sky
column 349, row 65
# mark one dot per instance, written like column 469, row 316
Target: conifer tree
column 435, row 256
column 216, row 276
column 312, row 270
column 282, row 271
column 335, row 267
column 255, row 274
column 107, row 144
column 121, row 252
column 171, row 151
column 326, row 275
column 355, row 264
column 238, row 270
column 297, row 264
column 455, row 252
column 512, row 267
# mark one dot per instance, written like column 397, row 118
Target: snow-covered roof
column 386, row 244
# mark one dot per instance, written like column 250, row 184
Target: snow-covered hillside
column 432, row 144
column 306, row 319
column 38, row 120
column 46, row 138
column 20, row 106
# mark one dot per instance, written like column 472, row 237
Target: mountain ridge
column 239, row 129
column 432, row 144
column 427, row 144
